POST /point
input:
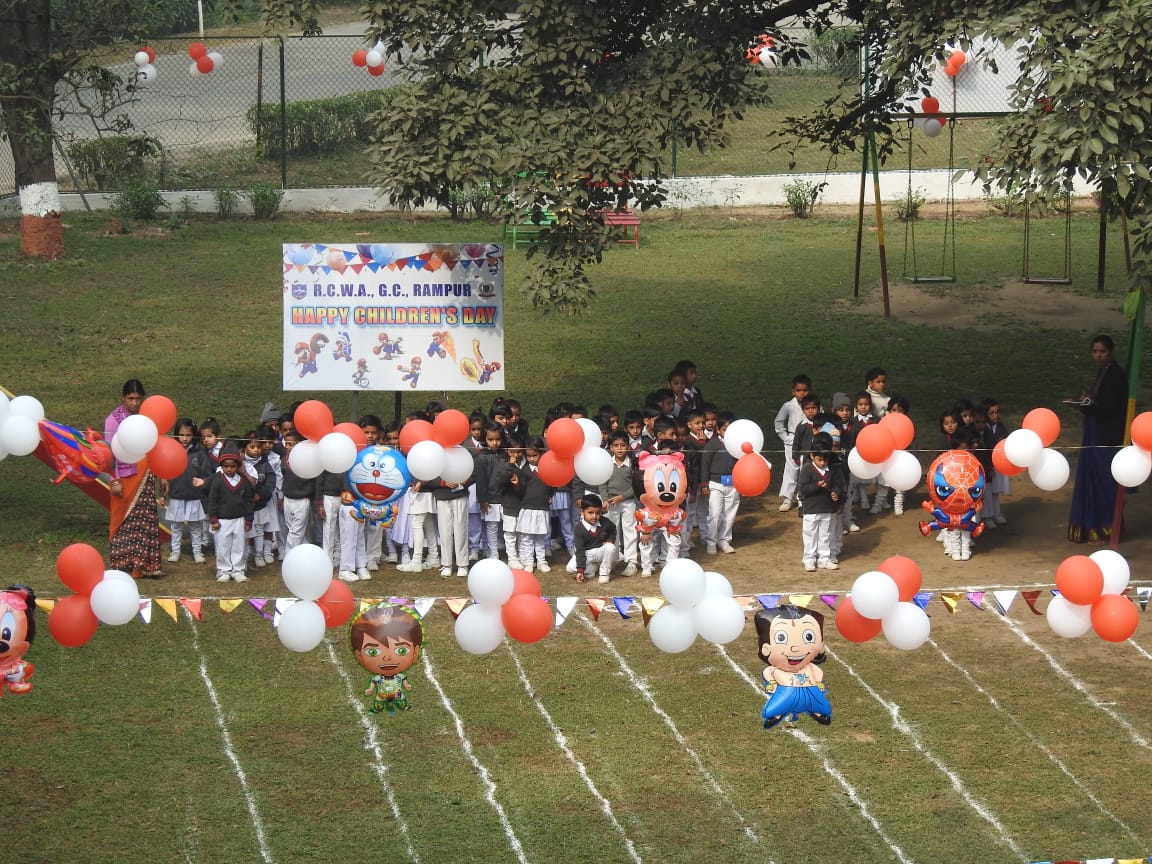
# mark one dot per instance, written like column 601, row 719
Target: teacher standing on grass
column 134, row 529
column 1105, row 409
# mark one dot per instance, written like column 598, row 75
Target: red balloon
column 565, row 437
column 313, row 419
column 160, row 410
column 958, row 58
column 875, row 444
column 951, row 70
column 554, row 470
column 72, row 621
column 1002, row 465
column 205, row 64
column 354, row 432
column 928, row 105
column 905, row 573
column 337, row 603
column 376, row 71
column 900, row 427
column 167, row 458
column 1142, row 430
column 80, row 567
column 450, row 428
column 197, row 50
column 1080, row 580
column 525, row 583
column 1115, row 618
column 526, row 617
column 413, row 432
column 751, row 475
column 852, row 625
column 1044, row 422
column 360, row 57
column 151, row 54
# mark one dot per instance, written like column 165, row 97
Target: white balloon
column 307, row 571
column 672, row 629
column 593, row 465
column 718, row 619
column 115, row 601
column 426, row 460
column 1115, row 569
column 27, row 406
column 304, row 460
column 490, row 581
column 593, row 436
column 1050, row 471
column 374, row 58
column 119, row 574
column 716, row 583
column 682, row 582
column 906, row 627
column 5, row 406
column 140, row 58
column 217, row 59
column 458, row 465
column 860, row 468
column 768, row 58
column 146, row 74
column 740, row 432
column 136, row 434
column 902, row 470
column 194, row 70
column 1131, row 465
column 933, row 127
column 124, row 453
column 1069, row 620
column 479, row 629
column 301, row 626
column 337, row 452
column 19, row 435
column 1023, row 447
column 875, row 594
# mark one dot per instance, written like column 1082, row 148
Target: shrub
column 118, row 160
column 138, row 202
column 908, row 206
column 802, row 196
column 265, row 199
column 837, row 49
column 318, row 126
column 227, row 201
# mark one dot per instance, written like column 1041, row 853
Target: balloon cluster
column 146, row 435
column 935, row 124
column 1132, row 465
column 145, row 71
column 508, row 602
column 107, row 596
column 881, row 600
column 763, row 53
column 19, row 425
column 329, row 446
column 321, row 601
column 434, row 449
column 1091, row 598
column 752, row 473
column 1030, row 447
column 574, row 450
column 203, row 60
column 370, row 58
column 879, row 452
column 955, row 61
column 699, row 604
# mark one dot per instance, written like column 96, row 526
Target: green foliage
column 111, row 162
column 909, row 204
column 319, row 126
column 186, row 208
column 138, row 202
column 227, row 202
column 265, row 199
column 802, row 196
column 837, row 50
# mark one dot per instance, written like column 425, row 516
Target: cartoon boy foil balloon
column 386, row 640
column 791, row 640
column 17, row 632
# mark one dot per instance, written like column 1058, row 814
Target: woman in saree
column 134, row 528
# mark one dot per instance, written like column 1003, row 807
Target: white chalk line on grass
column 646, row 692
column 905, row 728
column 229, row 751
column 481, row 769
column 562, row 743
column 372, row 744
column 1064, row 673
column 1140, row 650
column 829, row 769
column 1036, row 742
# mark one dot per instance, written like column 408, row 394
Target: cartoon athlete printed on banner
column 343, row 347
column 477, row 370
column 956, row 493
column 307, row 352
column 388, row 347
column 386, row 639
column 411, row 372
column 442, row 345
column 791, row 640
column 17, row 632
column 376, row 481
column 360, row 376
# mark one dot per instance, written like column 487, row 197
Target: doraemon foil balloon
column 376, row 482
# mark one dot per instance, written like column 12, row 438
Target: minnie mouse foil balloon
column 17, row 631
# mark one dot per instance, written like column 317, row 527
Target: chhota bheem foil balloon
column 386, row 640
column 791, row 642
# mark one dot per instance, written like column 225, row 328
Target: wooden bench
column 624, row 219
column 526, row 231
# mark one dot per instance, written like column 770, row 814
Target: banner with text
column 387, row 316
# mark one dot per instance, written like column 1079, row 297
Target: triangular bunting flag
column 800, row 599
column 1131, row 861
column 596, row 606
column 769, row 601
column 951, row 599
column 623, row 606
column 364, row 604
column 146, row 610
column 976, row 598
column 168, row 604
column 282, row 604
column 921, row 599
column 1030, row 597
column 564, row 607
column 456, row 605
column 1141, row 593
column 45, row 605
column 829, row 600
column 1100, row 861
column 193, row 606
column 231, row 604
column 259, row 604
column 400, row 601
column 423, row 605
column 649, row 606
column 1003, row 600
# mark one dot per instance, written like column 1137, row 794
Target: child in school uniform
column 532, row 522
column 329, row 487
column 510, row 493
column 186, row 492
column 618, row 497
column 487, row 458
column 716, row 465
column 299, row 497
column 230, row 508
column 822, row 494
column 272, row 450
column 861, row 416
column 259, row 473
column 594, row 541
column 788, row 418
column 997, row 484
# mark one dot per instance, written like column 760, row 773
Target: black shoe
column 773, row 721
column 822, row 719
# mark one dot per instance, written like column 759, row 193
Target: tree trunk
column 27, row 108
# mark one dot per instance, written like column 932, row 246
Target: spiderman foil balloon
column 956, row 490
